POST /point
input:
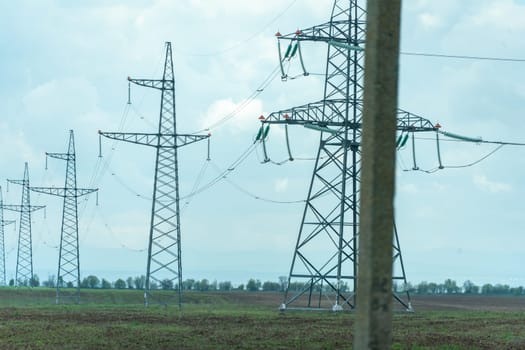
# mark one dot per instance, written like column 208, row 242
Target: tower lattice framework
column 3, row 223
column 323, row 272
column 164, row 263
column 24, row 259
column 68, row 276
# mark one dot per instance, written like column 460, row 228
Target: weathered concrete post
column 373, row 329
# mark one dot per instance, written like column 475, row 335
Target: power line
column 464, row 57
column 234, row 46
column 266, row 82
column 254, row 196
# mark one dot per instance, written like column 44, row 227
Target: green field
column 116, row 319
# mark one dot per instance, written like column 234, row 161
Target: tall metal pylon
column 68, row 275
column 164, row 248
column 3, row 223
column 24, row 259
column 323, row 272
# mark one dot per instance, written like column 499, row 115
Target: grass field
column 116, row 319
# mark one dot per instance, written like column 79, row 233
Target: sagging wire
column 224, row 50
column 414, row 167
column 250, row 194
column 456, row 138
column 196, row 184
column 438, row 148
column 290, row 157
column 108, row 228
column 127, row 187
column 266, row 159
column 223, row 175
column 291, row 52
column 246, row 102
column 263, row 142
column 477, row 161
column 261, row 136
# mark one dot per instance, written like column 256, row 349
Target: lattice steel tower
column 24, row 259
column 324, row 269
column 68, row 276
column 164, row 248
column 3, row 223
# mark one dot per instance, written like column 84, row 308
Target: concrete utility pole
column 373, row 329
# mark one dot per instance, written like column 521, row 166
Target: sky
column 64, row 65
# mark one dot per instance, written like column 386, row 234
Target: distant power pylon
column 324, row 269
column 164, row 265
column 24, row 260
column 68, row 259
column 3, row 223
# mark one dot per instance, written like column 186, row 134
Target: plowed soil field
column 243, row 320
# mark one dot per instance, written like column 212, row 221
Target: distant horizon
column 239, row 277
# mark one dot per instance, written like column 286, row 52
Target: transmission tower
column 164, row 248
column 3, row 223
column 324, row 269
column 68, row 259
column 24, row 260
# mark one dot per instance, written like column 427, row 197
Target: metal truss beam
column 164, row 264
column 154, row 140
column 24, row 260
column 315, row 114
column 324, row 269
column 3, row 223
column 68, row 277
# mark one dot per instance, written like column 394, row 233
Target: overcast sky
column 63, row 65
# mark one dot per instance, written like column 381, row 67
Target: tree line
column 449, row 286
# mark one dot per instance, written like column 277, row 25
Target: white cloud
column 237, row 117
column 47, row 100
column 17, row 140
column 429, row 21
column 484, row 183
column 408, row 188
column 281, row 185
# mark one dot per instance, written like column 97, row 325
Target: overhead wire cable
column 250, row 194
column 477, row 161
column 222, row 175
column 238, row 44
column 115, row 236
column 246, row 102
column 460, row 138
column 464, row 57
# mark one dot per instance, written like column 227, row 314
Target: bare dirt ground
column 459, row 302
column 462, row 302
column 250, row 320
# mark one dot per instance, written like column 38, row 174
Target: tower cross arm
column 63, row 156
column 64, row 192
column 17, row 182
column 322, row 33
column 155, row 140
column 146, row 139
column 7, row 222
column 321, row 113
column 183, row 140
column 407, row 121
column 153, row 83
column 15, row 207
column 60, row 192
